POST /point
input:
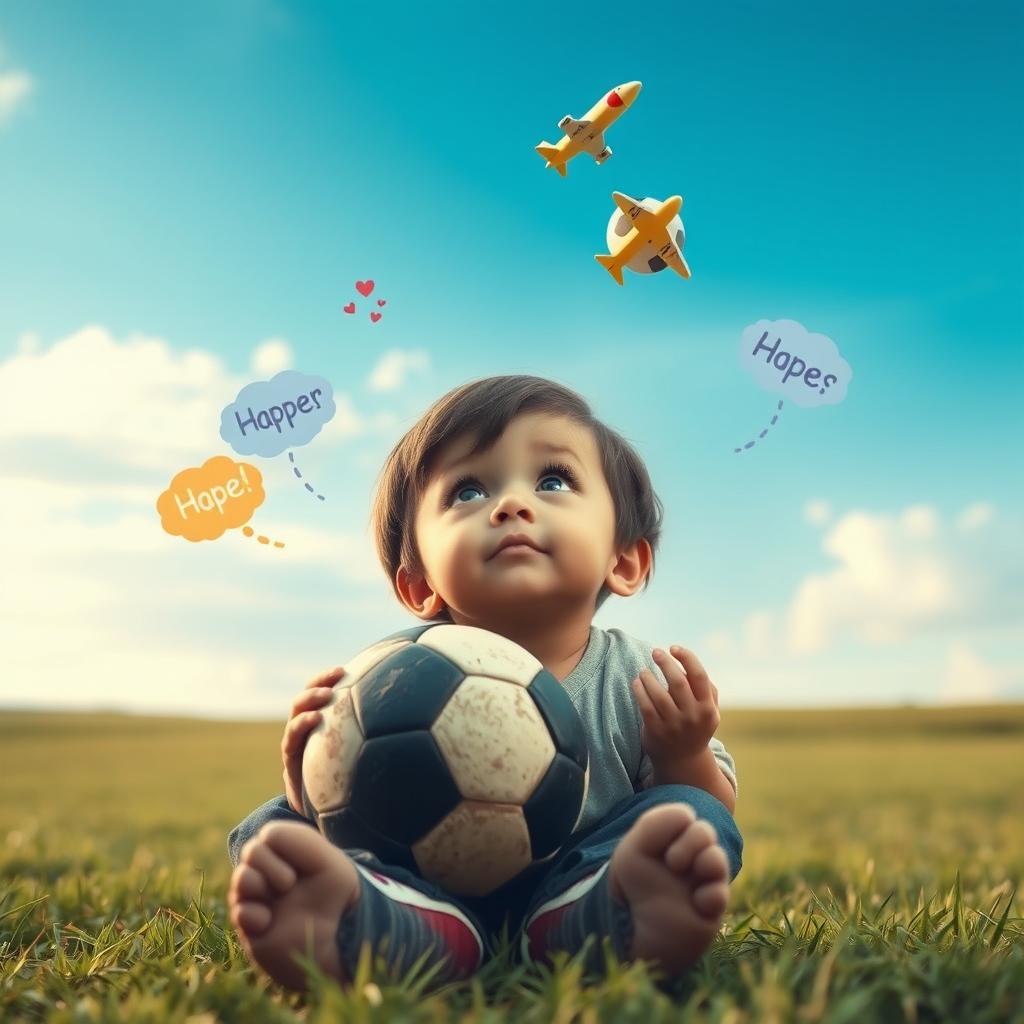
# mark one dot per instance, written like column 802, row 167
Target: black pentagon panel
column 656, row 263
column 402, row 787
column 407, row 690
column 412, row 634
column 561, row 716
column 554, row 806
column 346, row 830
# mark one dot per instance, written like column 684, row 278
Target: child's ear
column 417, row 594
column 630, row 570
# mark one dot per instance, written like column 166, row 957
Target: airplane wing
column 595, row 145
column 630, row 207
column 673, row 257
column 572, row 127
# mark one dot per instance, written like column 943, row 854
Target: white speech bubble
column 785, row 357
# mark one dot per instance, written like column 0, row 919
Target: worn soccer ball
column 451, row 751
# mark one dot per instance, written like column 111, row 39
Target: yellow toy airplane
column 587, row 134
column 649, row 228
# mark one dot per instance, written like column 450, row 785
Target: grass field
column 883, row 855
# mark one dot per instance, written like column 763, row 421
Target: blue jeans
column 513, row 902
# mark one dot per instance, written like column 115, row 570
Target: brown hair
column 486, row 406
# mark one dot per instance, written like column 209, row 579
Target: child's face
column 571, row 521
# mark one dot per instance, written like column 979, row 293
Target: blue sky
column 213, row 177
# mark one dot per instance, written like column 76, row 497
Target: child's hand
column 304, row 718
column 679, row 722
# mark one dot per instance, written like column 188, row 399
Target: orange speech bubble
column 203, row 502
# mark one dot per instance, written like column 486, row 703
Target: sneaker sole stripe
column 401, row 893
column 574, row 892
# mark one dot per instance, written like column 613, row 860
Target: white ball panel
column 475, row 849
column 328, row 762
column 481, row 652
column 494, row 741
column 369, row 659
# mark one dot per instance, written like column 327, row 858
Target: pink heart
column 375, row 317
column 364, row 287
column 350, row 308
column 380, row 302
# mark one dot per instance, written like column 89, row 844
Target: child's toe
column 251, row 918
column 680, row 855
column 249, row 884
column 711, row 900
column 711, row 864
column 260, row 857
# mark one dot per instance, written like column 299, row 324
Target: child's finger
column 309, row 699
column 643, row 701
column 658, row 699
column 328, row 678
column 679, row 687
column 652, row 720
column 294, row 740
column 700, row 684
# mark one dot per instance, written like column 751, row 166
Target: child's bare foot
column 674, row 877
column 292, row 889
column 291, row 885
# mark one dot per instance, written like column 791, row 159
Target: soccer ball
column 647, row 260
column 451, row 751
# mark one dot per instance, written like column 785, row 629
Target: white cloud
column 271, row 357
column 137, row 403
column 391, row 369
column 98, row 605
column 900, row 618
column 891, row 577
column 15, row 89
column 919, row 521
column 975, row 516
column 895, row 578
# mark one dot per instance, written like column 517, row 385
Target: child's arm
column 701, row 771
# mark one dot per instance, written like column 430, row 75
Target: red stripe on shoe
column 537, row 928
column 462, row 941
column 537, row 932
column 459, row 938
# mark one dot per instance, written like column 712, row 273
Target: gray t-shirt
column 599, row 687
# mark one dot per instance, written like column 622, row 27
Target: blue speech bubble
column 785, row 357
column 269, row 416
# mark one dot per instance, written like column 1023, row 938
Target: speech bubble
column 785, row 357
column 202, row 502
column 269, row 416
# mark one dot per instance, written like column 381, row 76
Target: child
column 650, row 861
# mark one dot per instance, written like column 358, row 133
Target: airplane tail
column 551, row 154
column 609, row 264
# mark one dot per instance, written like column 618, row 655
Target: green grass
column 882, row 863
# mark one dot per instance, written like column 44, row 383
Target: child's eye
column 551, row 469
